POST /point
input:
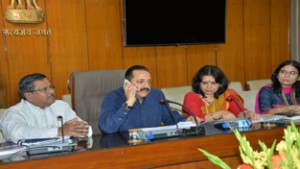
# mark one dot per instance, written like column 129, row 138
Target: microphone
column 240, row 123
column 48, row 145
column 170, row 111
column 198, row 128
column 232, row 98
column 62, row 128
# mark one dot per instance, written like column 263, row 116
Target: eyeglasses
column 292, row 73
column 44, row 89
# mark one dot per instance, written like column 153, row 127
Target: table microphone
column 50, row 145
column 199, row 129
column 60, row 118
column 234, row 123
column 232, row 98
column 170, row 111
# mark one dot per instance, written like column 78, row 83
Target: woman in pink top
column 283, row 95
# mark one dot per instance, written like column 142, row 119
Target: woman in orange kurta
column 212, row 100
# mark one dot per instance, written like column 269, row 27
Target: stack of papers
column 41, row 141
column 293, row 118
column 46, row 145
column 268, row 118
column 279, row 117
column 8, row 150
column 181, row 125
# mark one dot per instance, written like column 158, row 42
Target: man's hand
column 130, row 92
column 75, row 127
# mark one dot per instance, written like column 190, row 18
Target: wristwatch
column 127, row 107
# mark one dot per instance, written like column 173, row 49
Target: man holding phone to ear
column 135, row 105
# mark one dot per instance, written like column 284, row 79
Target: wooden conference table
column 113, row 151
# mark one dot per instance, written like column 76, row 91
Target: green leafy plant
column 286, row 156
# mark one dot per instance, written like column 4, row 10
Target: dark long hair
column 275, row 82
column 213, row 71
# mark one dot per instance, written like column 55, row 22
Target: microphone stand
column 194, row 130
column 232, row 98
column 171, row 114
column 62, row 127
column 49, row 147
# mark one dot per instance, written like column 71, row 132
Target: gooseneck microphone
column 170, row 111
column 241, row 123
column 198, row 128
column 232, row 98
column 47, row 145
column 60, row 118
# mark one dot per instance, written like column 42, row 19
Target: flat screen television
column 174, row 22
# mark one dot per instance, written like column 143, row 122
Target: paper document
column 268, row 118
column 186, row 124
column 181, row 125
column 290, row 117
column 41, row 141
column 278, row 118
column 10, row 150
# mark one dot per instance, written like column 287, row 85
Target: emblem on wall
column 24, row 11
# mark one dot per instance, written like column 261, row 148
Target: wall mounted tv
column 174, row 22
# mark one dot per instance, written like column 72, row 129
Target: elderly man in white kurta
column 37, row 115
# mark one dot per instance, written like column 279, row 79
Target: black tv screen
column 174, row 22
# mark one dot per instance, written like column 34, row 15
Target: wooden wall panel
column 26, row 54
column 105, row 43
column 88, row 35
column 68, row 42
column 280, row 28
column 230, row 55
column 171, row 66
column 4, row 81
column 257, row 36
column 198, row 56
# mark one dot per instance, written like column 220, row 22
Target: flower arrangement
column 286, row 156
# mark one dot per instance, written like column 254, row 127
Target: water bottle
column 237, row 123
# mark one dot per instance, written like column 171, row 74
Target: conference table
column 114, row 151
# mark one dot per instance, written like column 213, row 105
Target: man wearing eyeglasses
column 36, row 116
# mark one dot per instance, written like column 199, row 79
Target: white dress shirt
column 25, row 120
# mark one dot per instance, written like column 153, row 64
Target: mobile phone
column 126, row 82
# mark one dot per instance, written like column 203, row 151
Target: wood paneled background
column 88, row 35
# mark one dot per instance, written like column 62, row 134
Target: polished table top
column 116, row 140
column 122, row 138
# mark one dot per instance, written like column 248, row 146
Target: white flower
column 281, row 147
column 293, row 137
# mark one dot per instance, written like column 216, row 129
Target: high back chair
column 88, row 90
column 257, row 84
column 67, row 98
column 176, row 94
column 2, row 110
column 249, row 97
column 237, row 86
